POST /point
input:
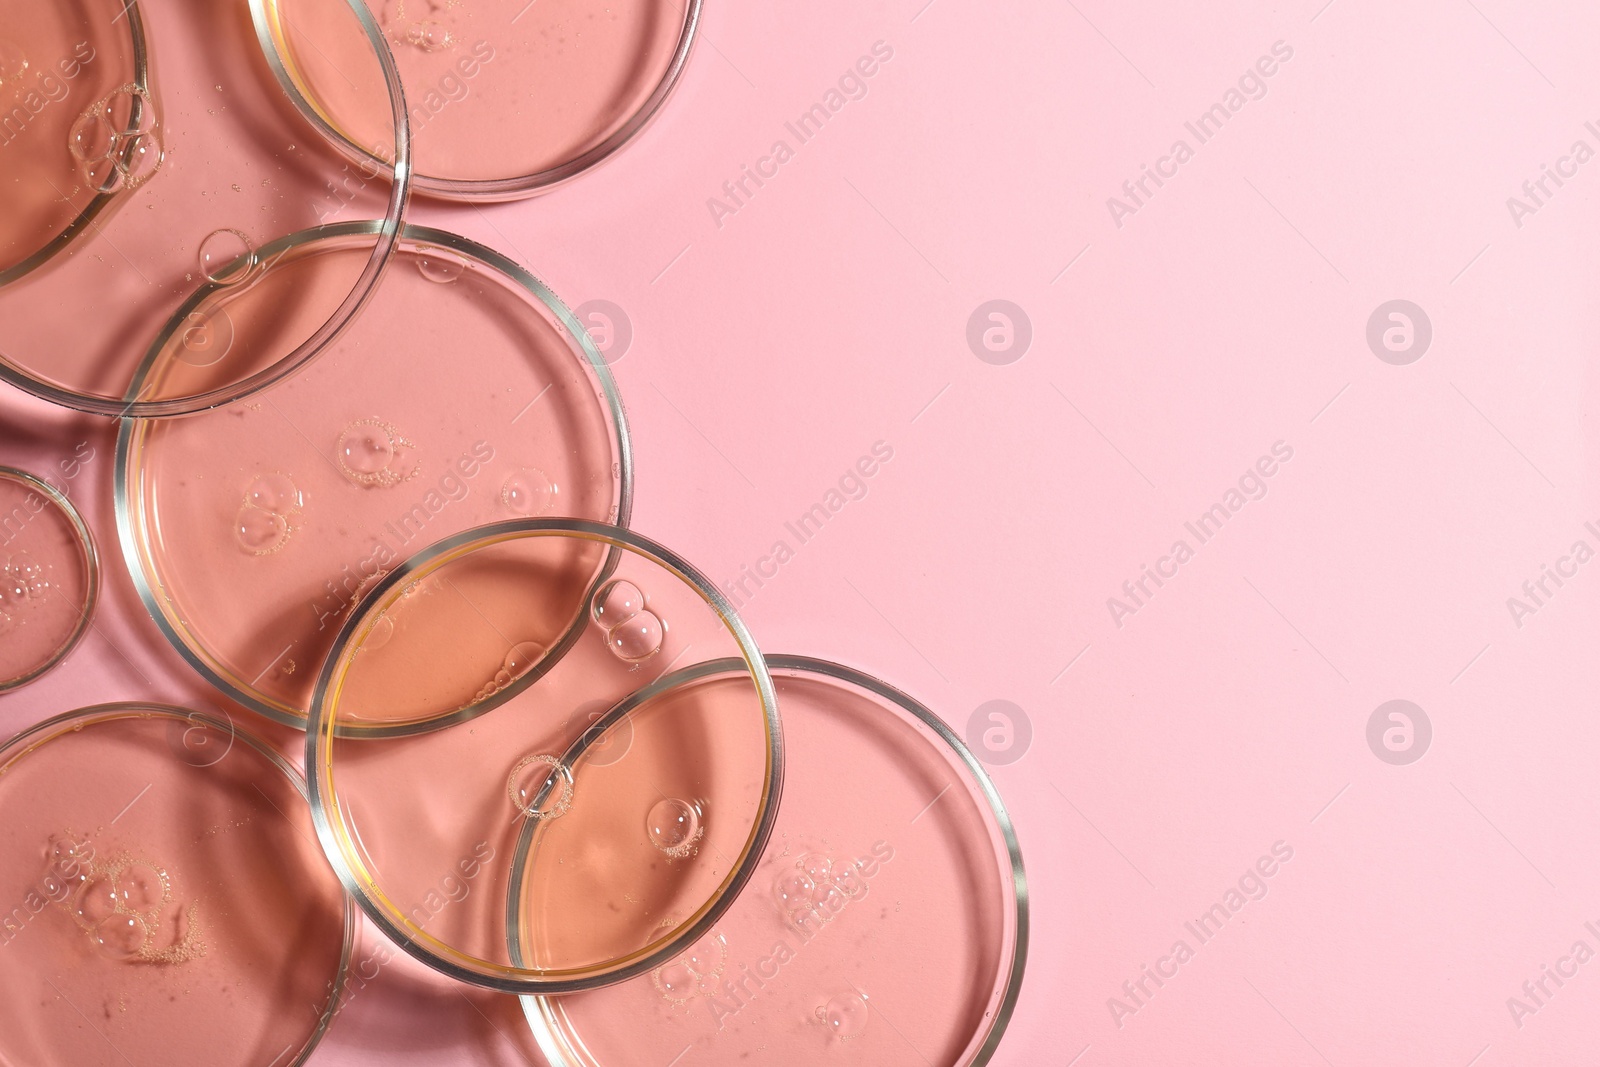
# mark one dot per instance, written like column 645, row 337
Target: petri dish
column 507, row 98
column 148, row 156
column 424, row 827
column 171, row 906
column 49, row 577
column 886, row 923
column 466, row 393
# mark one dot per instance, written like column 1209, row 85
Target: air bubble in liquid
column 430, row 36
column 536, row 775
column 828, row 900
column 141, row 888
column 845, row 1015
column 381, row 634
column 122, row 937
column 637, row 638
column 522, row 657
column 13, row 591
column 676, row 982
column 95, row 902
column 371, row 452
column 261, row 533
column 91, row 138
column 276, row 493
column 439, row 267
column 205, row 337
column 818, row 866
column 617, row 602
column 528, row 492
column 793, row 890
column 674, row 826
column 707, row 959
column 227, row 257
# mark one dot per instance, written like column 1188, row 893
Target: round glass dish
column 466, row 393
column 887, row 921
column 150, row 159
column 49, row 577
column 647, row 835
column 507, row 98
column 164, row 900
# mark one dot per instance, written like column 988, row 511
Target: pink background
column 1228, row 313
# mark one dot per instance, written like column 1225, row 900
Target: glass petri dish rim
column 387, row 231
column 92, row 210
column 132, row 532
column 556, row 1041
column 345, row 858
column 526, row 185
column 91, row 562
column 23, row 742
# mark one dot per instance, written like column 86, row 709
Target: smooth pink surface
column 1227, row 314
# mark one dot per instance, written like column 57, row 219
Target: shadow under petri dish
column 431, row 827
column 504, row 95
column 885, row 923
column 162, row 899
column 48, row 578
column 464, row 394
column 147, row 155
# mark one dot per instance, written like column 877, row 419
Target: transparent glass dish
column 165, row 898
column 465, row 394
column 887, row 921
column 49, row 577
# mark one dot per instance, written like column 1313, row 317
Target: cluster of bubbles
column 265, row 521
column 695, row 973
column 374, row 454
column 676, row 826
column 428, row 33
column 23, row 585
column 540, row 787
column 117, row 140
column 518, row 662
column 528, row 491
column 118, row 902
column 633, row 633
column 817, row 888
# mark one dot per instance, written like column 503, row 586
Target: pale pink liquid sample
column 188, row 175
column 655, row 817
column 162, row 899
column 879, row 928
column 497, row 89
column 453, row 401
column 45, row 581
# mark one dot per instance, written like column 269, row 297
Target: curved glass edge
column 133, row 531
column 338, row 843
column 563, row 1047
column 490, row 190
column 93, row 209
column 91, row 564
column 52, row 727
column 387, row 231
